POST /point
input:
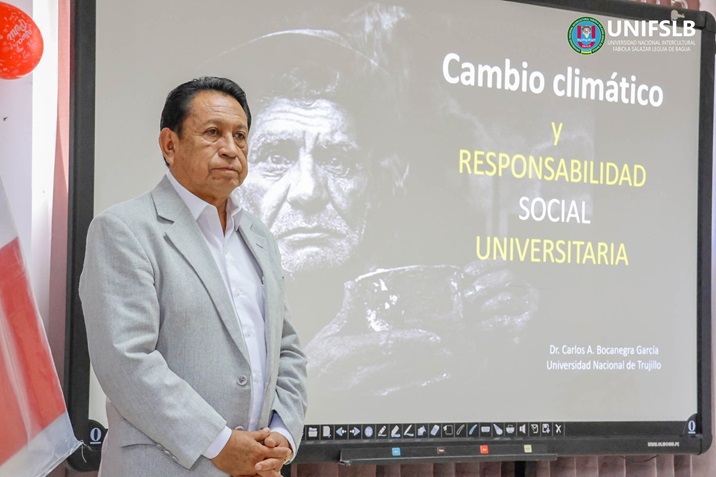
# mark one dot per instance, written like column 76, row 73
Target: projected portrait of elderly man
column 329, row 166
column 312, row 181
column 321, row 173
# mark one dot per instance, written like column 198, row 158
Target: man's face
column 309, row 182
column 209, row 156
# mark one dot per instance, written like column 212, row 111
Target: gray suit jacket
column 165, row 341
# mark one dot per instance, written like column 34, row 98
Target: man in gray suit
column 187, row 324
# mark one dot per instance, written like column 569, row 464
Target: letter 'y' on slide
column 556, row 132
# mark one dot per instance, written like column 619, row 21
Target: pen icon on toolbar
column 472, row 430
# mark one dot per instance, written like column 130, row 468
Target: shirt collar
column 197, row 206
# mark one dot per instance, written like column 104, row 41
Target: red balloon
column 21, row 43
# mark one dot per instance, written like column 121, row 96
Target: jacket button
column 242, row 380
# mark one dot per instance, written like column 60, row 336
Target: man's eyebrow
column 224, row 120
column 286, row 137
column 342, row 141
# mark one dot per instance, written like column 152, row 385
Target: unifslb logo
column 586, row 35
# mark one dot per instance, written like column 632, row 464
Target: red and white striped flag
column 35, row 431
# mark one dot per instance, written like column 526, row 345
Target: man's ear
column 167, row 142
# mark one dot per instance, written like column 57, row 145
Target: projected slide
column 487, row 211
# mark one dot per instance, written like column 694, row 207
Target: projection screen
column 494, row 216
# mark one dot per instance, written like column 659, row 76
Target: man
column 187, row 325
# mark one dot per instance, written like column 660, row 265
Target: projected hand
column 390, row 325
column 369, row 362
column 496, row 302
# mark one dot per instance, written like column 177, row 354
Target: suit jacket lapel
column 184, row 233
column 259, row 246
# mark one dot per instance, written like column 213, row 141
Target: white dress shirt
column 244, row 283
